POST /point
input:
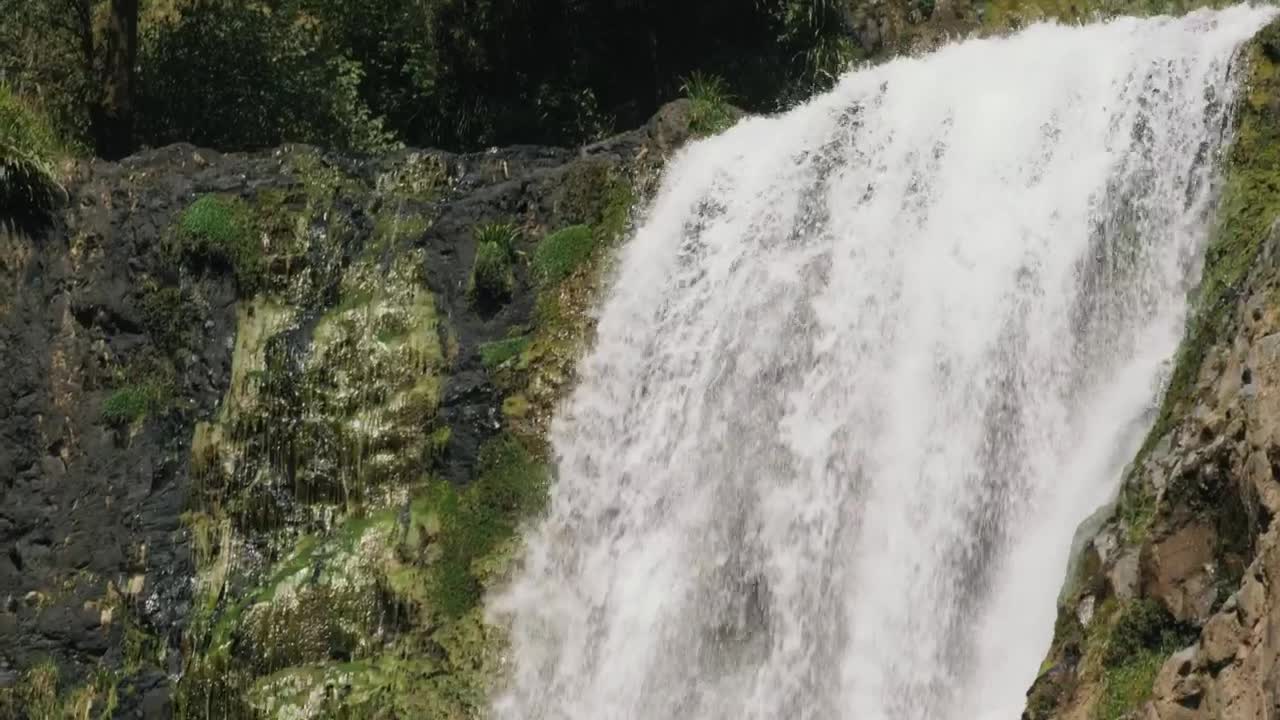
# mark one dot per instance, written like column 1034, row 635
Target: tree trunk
column 113, row 118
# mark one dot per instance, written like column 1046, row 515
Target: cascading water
column 864, row 369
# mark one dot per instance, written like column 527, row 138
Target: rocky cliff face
column 1174, row 609
column 268, row 423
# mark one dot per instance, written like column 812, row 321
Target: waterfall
column 863, row 369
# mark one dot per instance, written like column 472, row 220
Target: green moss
column 134, row 402
column 1004, row 15
column 561, row 252
column 498, row 352
column 1136, row 510
column 139, row 647
column 1143, row 625
column 510, row 486
column 615, row 215
column 394, row 225
column 710, row 110
column 492, row 277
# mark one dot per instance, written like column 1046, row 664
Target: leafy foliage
column 460, row 74
column 504, row 235
column 246, row 75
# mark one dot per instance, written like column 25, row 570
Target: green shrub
column 1143, row 625
column 28, row 150
column 221, row 230
column 561, row 252
column 710, row 110
column 492, row 277
column 1139, row 640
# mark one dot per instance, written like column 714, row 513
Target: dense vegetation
column 117, row 75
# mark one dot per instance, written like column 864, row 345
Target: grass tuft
column 711, row 108
column 504, row 235
column 221, row 230
column 492, row 277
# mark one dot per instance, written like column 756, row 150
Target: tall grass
column 29, row 185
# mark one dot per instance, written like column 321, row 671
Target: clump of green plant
column 1142, row 635
column 221, row 229
column 710, row 105
column 146, row 386
column 134, row 402
column 28, row 150
column 504, row 235
column 510, row 485
column 36, row 693
column 493, row 278
column 561, row 252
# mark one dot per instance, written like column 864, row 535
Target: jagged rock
column 1221, row 639
column 1123, row 575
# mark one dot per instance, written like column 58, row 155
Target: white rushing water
column 863, row 370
